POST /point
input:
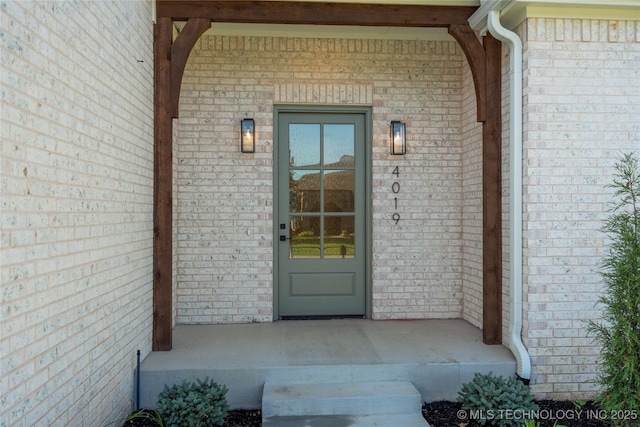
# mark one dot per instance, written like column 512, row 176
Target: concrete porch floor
column 437, row 356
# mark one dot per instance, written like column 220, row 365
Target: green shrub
column 307, row 233
column 199, row 404
column 619, row 331
column 498, row 401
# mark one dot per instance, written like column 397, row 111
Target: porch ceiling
column 325, row 31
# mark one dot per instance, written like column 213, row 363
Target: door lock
column 284, row 238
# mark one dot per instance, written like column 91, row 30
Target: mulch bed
column 239, row 418
column 443, row 414
column 235, row 418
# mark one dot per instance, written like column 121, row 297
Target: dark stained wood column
column 486, row 69
column 162, row 185
column 169, row 62
column 492, row 196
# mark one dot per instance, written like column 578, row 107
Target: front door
column 321, row 214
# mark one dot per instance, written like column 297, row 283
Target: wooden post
column 169, row 62
column 492, row 196
column 486, row 69
column 163, row 189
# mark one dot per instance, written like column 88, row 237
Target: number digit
column 395, row 188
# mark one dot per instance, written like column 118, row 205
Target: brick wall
column 225, row 199
column 471, row 204
column 581, row 91
column 77, row 200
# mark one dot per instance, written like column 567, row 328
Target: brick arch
column 170, row 58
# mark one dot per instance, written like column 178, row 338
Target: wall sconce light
column 398, row 139
column 247, row 136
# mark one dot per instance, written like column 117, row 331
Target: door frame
column 368, row 141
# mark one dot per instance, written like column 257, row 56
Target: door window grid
column 321, row 217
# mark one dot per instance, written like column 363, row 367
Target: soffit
column 326, row 31
column 514, row 12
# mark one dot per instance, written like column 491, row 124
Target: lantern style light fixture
column 398, row 138
column 247, row 136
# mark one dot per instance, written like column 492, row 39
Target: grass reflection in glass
column 334, row 247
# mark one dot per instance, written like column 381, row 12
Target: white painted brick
column 576, row 91
column 431, row 101
column 76, row 152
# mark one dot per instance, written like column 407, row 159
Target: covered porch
column 437, row 356
column 205, row 271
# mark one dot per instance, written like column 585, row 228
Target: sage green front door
column 322, row 209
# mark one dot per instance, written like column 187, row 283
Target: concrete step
column 388, row 420
column 335, row 399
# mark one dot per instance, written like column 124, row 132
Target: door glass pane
column 339, row 237
column 321, row 183
column 305, row 237
column 304, row 191
column 339, row 145
column 304, row 144
column 339, row 186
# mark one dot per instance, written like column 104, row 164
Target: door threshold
column 324, row 317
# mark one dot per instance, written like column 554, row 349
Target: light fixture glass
column 247, row 136
column 398, row 138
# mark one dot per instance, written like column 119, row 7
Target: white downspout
column 523, row 362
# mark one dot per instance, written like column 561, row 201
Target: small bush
column 490, row 397
column 200, row 404
column 308, row 233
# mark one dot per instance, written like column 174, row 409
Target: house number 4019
column 395, row 189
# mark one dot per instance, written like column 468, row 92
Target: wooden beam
column 492, row 196
column 180, row 53
column 162, row 185
column 475, row 54
column 284, row 12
